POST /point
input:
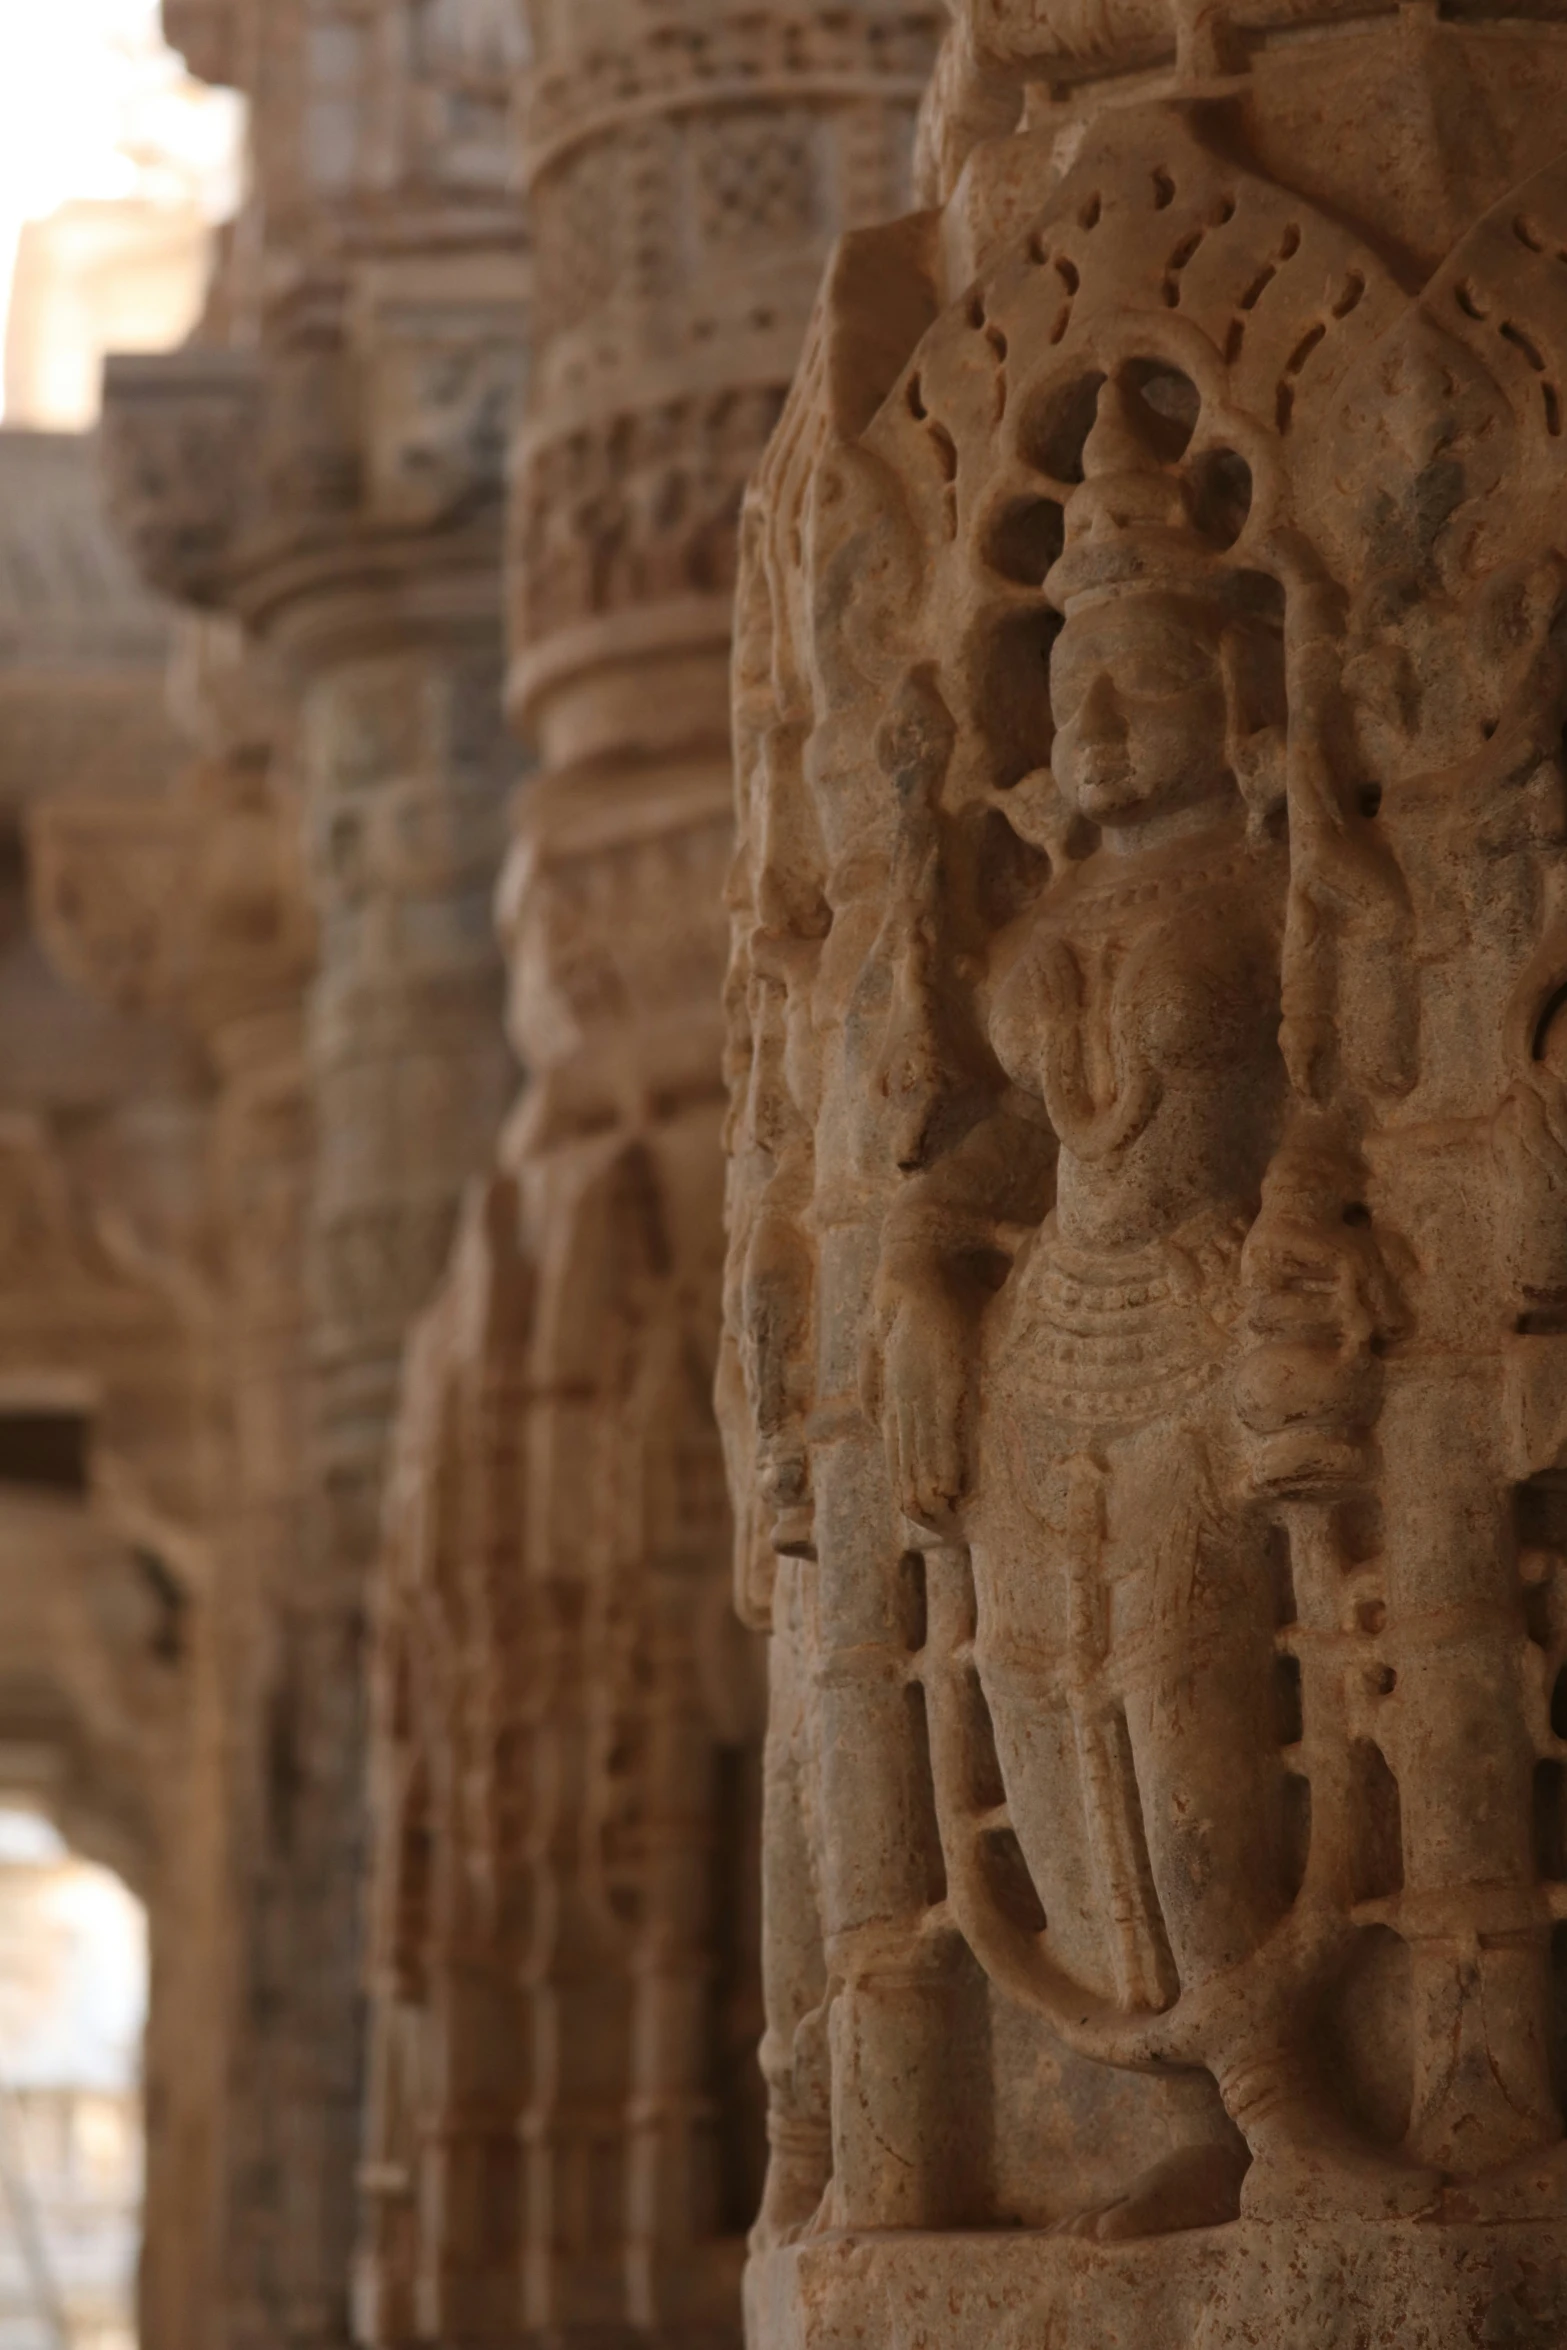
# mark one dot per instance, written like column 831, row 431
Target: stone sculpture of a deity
column 1148, row 1258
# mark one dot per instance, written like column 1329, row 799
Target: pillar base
column 1230, row 2288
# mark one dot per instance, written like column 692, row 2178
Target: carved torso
column 1143, row 1012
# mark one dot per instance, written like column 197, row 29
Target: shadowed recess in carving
column 1365, row 2034
column 734, row 2024
column 910, row 1601
column 1545, row 1029
column 1550, row 1820
column 1053, row 436
column 1011, row 693
column 44, row 1450
column 1537, row 1613
column 1281, row 1575
column 1008, row 872
column 1295, row 1835
column 171, row 1603
column 1262, row 279
column 1377, row 1827
column 1010, row 1886
column 986, row 1789
column 929, row 1867
column 1166, row 404
column 1024, row 539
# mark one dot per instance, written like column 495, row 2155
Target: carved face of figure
column 1138, row 692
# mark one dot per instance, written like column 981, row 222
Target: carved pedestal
column 1147, row 1257
column 1212, row 2287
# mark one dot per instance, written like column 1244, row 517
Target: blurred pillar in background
column 189, row 903
column 323, row 465
column 568, row 1745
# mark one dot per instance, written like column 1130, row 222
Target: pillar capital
column 684, row 174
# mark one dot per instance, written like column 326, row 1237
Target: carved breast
column 1158, row 990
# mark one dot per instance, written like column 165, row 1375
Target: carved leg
column 1069, row 1748
column 1207, row 1715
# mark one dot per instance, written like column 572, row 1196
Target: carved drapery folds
column 1146, row 1276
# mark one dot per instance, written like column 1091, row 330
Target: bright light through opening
column 114, row 165
column 73, row 1999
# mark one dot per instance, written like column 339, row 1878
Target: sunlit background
column 114, row 167
column 73, row 1999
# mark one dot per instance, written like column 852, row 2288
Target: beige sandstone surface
column 1145, row 1283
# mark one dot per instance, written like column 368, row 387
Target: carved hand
column 924, row 1380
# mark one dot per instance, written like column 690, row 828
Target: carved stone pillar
column 111, row 1425
column 683, row 177
column 192, row 901
column 327, row 469
column 442, row 2206
column 1147, row 1240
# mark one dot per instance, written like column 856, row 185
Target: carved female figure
column 1126, row 1573
column 1180, row 602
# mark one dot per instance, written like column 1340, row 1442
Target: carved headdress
column 1130, row 526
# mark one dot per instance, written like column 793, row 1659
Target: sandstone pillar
column 729, row 147
column 683, row 179
column 192, row 900
column 325, row 466
column 440, row 2227
column 111, row 1424
column 1147, row 1246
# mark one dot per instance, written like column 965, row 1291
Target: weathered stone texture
column 1145, row 1291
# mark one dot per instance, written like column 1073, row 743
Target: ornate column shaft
column 440, row 2236
column 405, row 769
column 111, row 1421
column 1147, row 1248
column 213, row 929
column 326, row 467
column 684, row 179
